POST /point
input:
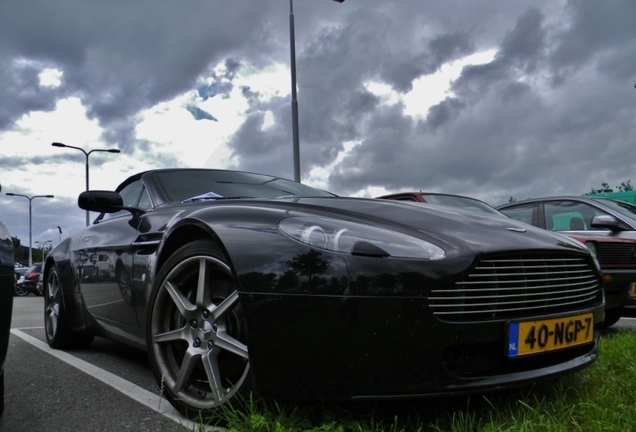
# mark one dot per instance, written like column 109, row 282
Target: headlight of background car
column 357, row 239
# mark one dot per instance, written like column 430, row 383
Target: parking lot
column 103, row 388
column 106, row 387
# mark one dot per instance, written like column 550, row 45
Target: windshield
column 622, row 207
column 457, row 201
column 182, row 185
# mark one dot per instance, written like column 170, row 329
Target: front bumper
column 312, row 347
column 618, row 285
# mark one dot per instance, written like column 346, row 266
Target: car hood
column 446, row 226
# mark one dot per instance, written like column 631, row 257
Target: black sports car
column 6, row 300
column 236, row 282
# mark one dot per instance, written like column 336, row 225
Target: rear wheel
column 58, row 332
column 21, row 291
column 197, row 332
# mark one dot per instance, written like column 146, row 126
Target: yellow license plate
column 632, row 292
column 531, row 337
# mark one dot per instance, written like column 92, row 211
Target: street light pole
column 30, row 220
column 294, row 99
column 87, row 154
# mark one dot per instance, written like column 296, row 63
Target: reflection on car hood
column 448, row 225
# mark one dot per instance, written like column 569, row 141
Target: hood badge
column 519, row 230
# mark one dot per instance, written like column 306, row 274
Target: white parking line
column 143, row 396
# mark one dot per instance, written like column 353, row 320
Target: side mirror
column 605, row 221
column 100, row 201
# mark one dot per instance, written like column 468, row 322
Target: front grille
column 508, row 287
column 620, row 254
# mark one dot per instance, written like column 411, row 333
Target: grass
column 601, row 397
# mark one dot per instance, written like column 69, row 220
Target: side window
column 522, row 212
column 130, row 195
column 569, row 216
column 144, row 200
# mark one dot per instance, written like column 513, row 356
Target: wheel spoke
column 225, row 306
column 181, row 302
column 228, row 343
column 171, row 336
column 190, row 359
column 52, row 316
column 52, row 311
column 211, row 366
column 203, row 294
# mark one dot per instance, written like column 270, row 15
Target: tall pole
column 294, row 99
column 30, row 234
column 86, row 182
column 30, row 220
column 87, row 154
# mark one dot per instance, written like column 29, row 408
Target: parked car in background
column 627, row 196
column 7, row 280
column 443, row 199
column 236, row 282
column 584, row 214
column 588, row 215
column 31, row 281
column 19, row 272
column 616, row 256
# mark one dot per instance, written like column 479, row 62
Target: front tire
column 58, row 333
column 197, row 334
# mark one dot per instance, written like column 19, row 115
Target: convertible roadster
column 235, row 282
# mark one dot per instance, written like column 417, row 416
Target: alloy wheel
column 198, row 334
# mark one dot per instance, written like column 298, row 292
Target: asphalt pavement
column 105, row 387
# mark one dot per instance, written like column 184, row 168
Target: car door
column 526, row 212
column 572, row 216
column 107, row 260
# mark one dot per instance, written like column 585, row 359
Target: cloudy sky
column 487, row 98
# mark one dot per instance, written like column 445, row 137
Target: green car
column 627, row 196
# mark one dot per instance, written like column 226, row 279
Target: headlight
column 357, row 239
